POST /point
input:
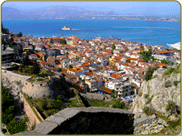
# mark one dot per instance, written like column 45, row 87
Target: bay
column 148, row 32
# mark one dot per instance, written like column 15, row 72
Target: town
column 105, row 66
column 109, row 68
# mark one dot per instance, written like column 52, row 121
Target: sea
column 144, row 31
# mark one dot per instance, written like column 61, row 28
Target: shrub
column 17, row 126
column 172, row 107
column 140, row 94
column 175, row 83
column 149, row 72
column 146, row 96
column 119, row 104
column 171, row 70
column 174, row 124
column 149, row 99
column 148, row 111
column 168, row 84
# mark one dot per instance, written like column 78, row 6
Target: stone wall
column 17, row 83
column 14, row 77
column 37, row 89
column 34, row 121
column 92, row 120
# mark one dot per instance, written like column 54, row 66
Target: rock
column 145, row 125
column 160, row 94
column 145, row 132
column 161, row 121
column 173, row 118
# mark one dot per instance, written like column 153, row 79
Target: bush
column 16, row 126
column 149, row 99
column 140, row 94
column 119, row 104
column 149, row 72
column 146, row 96
column 175, row 83
column 171, row 70
column 174, row 124
column 172, row 107
column 168, row 84
column 148, row 111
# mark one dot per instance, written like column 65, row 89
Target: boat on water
column 66, row 28
column 175, row 45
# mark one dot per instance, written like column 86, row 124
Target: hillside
column 159, row 93
column 51, row 12
column 159, row 97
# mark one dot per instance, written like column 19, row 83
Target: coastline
column 96, row 19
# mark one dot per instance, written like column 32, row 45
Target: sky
column 168, row 8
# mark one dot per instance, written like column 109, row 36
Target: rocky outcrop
column 156, row 93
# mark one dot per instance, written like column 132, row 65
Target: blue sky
column 136, row 8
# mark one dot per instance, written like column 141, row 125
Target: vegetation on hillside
column 146, row 55
column 8, row 114
column 149, row 72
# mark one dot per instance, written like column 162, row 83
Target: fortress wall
column 91, row 120
column 15, row 77
column 19, row 82
column 36, row 91
column 34, row 121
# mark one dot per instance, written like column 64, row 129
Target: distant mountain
column 11, row 13
column 51, row 12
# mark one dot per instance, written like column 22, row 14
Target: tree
column 70, row 66
column 12, row 44
column 113, row 93
column 146, row 55
column 19, row 35
column 59, row 69
column 36, row 68
column 16, row 126
column 51, row 41
column 113, row 47
column 63, row 41
column 26, row 60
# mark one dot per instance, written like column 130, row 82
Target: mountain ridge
column 51, row 12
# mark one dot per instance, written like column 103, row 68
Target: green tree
column 8, row 108
column 26, row 60
column 113, row 47
column 19, row 35
column 36, row 68
column 59, row 69
column 51, row 41
column 62, row 41
column 17, row 126
column 70, row 66
column 113, row 93
column 12, row 44
column 146, row 55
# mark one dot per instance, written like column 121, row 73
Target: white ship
column 175, row 45
column 66, row 28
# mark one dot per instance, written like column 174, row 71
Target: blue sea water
column 148, row 32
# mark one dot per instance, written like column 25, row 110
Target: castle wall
column 92, row 120
column 34, row 121
column 19, row 83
